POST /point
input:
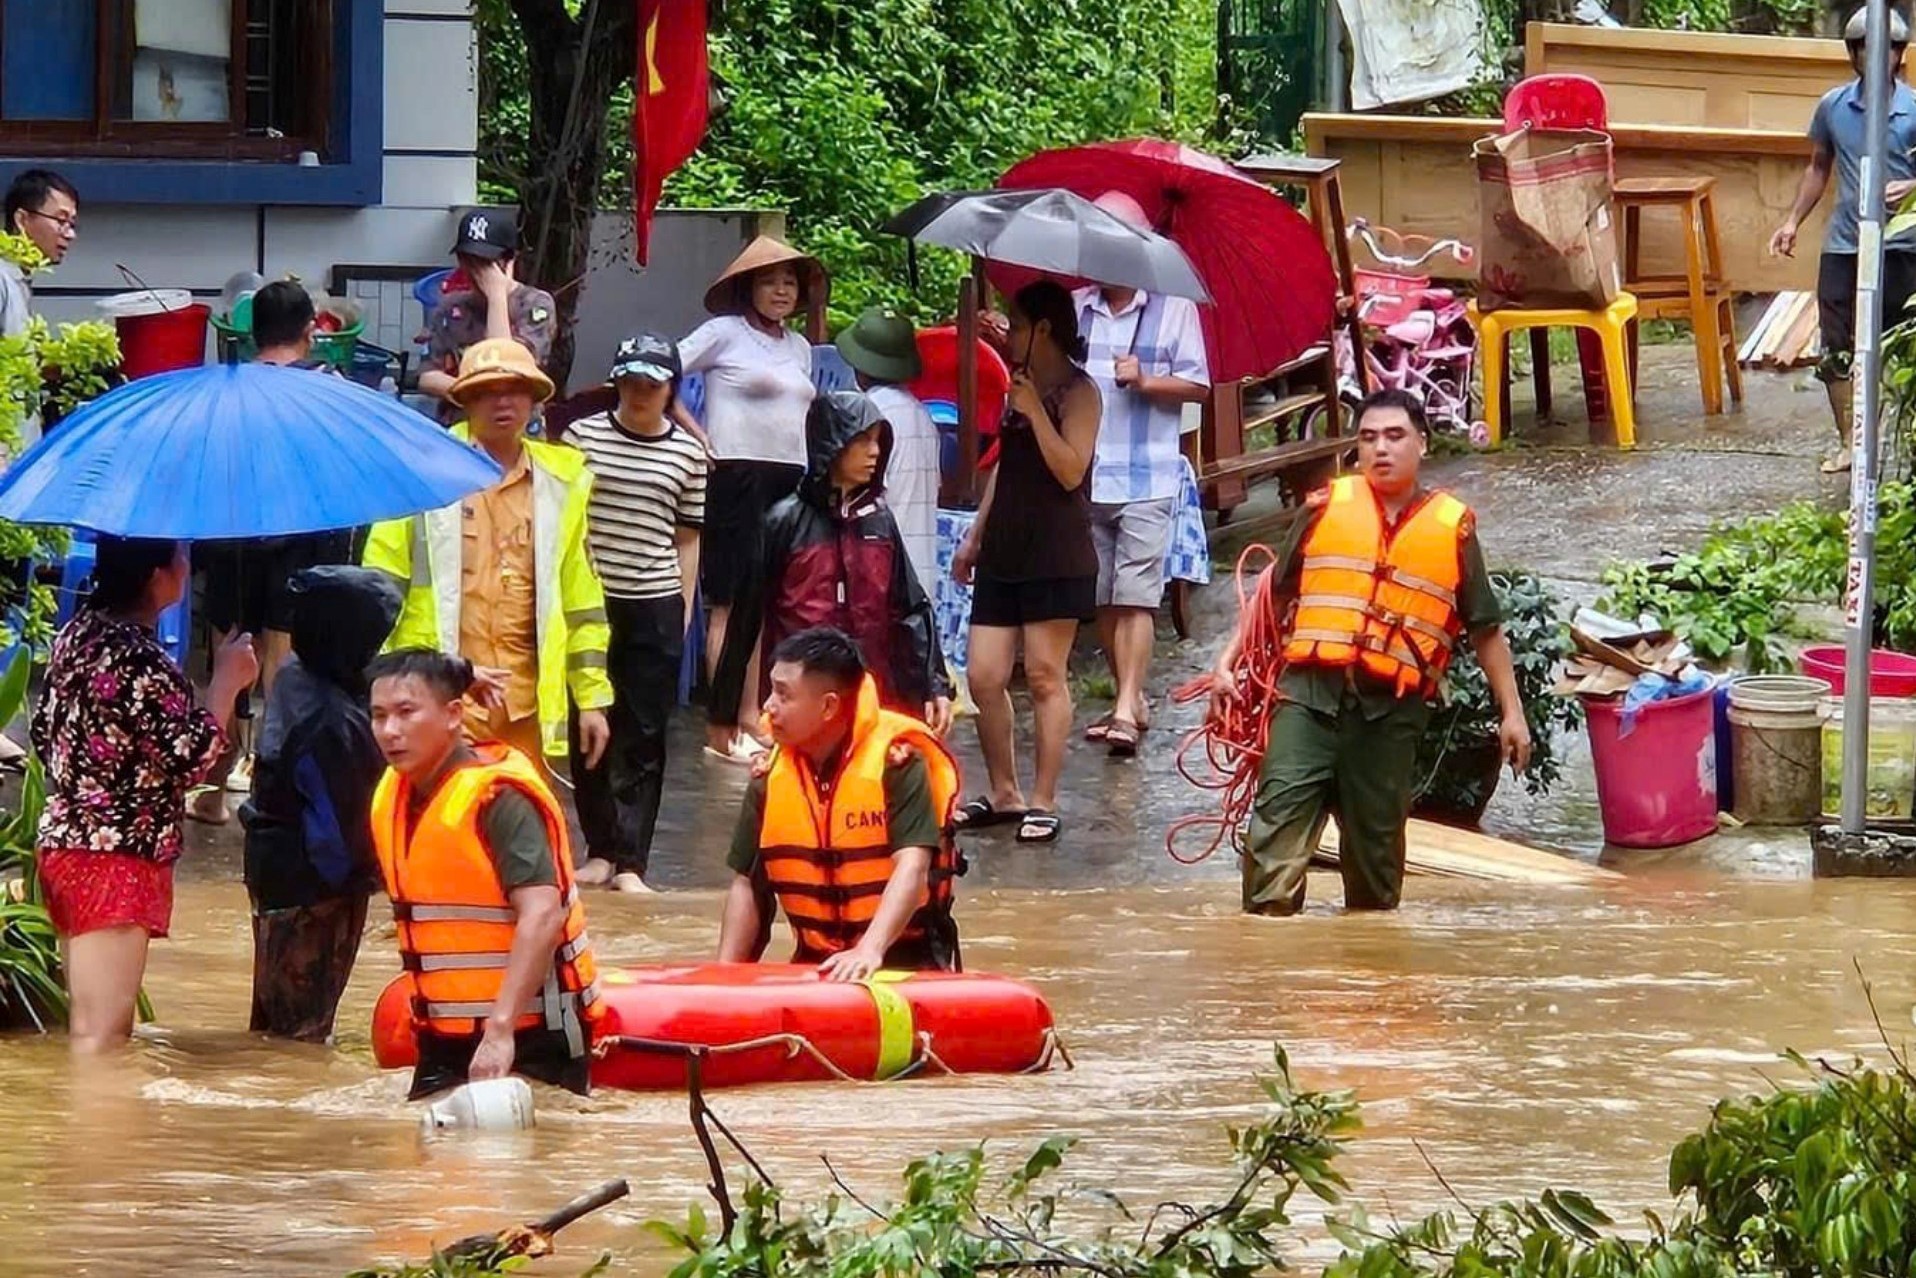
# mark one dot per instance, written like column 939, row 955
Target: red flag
column 670, row 101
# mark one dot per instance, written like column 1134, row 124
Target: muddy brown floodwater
column 1523, row 1038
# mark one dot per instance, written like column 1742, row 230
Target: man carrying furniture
column 1837, row 139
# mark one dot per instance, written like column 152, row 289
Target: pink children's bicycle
column 1416, row 337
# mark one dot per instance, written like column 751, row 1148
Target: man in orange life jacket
column 473, row 849
column 847, row 824
column 1381, row 579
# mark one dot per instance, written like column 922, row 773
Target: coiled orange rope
column 1233, row 736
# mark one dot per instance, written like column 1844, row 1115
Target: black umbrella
column 1053, row 231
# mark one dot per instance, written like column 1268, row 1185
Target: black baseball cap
column 489, row 234
column 649, row 355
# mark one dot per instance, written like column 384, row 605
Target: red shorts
column 87, row 891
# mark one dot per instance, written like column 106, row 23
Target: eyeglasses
column 68, row 224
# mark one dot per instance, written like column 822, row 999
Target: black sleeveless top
column 1037, row 528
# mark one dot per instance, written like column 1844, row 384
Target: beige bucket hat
column 723, row 297
column 494, row 361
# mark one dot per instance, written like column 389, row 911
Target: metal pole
column 1336, row 78
column 1859, row 597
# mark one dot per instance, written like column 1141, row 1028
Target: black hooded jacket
column 308, row 821
column 829, row 561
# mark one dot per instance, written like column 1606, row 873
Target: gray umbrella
column 1053, row 231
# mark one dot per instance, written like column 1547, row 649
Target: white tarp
column 1409, row 50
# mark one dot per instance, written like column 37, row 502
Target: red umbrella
column 1273, row 289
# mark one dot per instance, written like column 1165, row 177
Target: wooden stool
column 1495, row 327
column 1701, row 294
column 1324, row 198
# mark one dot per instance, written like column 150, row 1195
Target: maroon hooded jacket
column 832, row 560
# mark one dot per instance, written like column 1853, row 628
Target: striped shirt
column 643, row 491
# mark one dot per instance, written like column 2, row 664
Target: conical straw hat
column 721, row 298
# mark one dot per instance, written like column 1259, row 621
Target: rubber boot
column 1841, row 392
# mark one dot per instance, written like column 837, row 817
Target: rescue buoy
column 779, row 1023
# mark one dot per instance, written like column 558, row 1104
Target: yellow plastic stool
column 1495, row 327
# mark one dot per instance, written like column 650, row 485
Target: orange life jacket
column 828, row 854
column 455, row 921
column 1385, row 602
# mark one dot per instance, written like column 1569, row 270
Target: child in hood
column 831, row 555
column 309, row 856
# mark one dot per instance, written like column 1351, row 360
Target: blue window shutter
column 47, row 67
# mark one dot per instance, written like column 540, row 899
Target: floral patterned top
column 121, row 740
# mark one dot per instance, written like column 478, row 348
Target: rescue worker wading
column 472, row 846
column 1380, row 581
column 847, row 824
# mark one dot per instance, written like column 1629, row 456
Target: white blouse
column 757, row 389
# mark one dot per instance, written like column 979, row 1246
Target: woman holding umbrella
column 1030, row 559
column 122, row 742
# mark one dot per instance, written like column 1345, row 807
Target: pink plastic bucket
column 1891, row 674
column 1656, row 787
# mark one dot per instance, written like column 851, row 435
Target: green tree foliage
column 841, row 112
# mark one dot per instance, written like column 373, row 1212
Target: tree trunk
column 575, row 66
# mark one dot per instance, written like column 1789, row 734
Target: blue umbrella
column 249, row 450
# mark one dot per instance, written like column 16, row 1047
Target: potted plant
column 1459, row 761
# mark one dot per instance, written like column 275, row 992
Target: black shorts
column 1836, row 301
column 246, row 580
column 995, row 602
column 737, row 495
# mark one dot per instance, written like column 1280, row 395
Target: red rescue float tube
column 778, row 1023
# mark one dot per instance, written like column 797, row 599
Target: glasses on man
column 68, row 224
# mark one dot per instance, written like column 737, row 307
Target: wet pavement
column 1522, row 1037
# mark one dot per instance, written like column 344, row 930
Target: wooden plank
column 1779, row 326
column 1789, row 352
column 1753, row 340
column 1447, row 852
column 1289, row 406
column 1265, row 461
column 1694, row 78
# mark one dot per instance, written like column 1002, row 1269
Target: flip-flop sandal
column 1123, row 738
column 1039, row 827
column 981, row 812
column 1099, row 728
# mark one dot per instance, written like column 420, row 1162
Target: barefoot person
column 648, row 504
column 846, row 826
column 122, row 741
column 473, row 849
column 1836, row 146
column 1030, row 560
column 1379, row 583
column 758, row 386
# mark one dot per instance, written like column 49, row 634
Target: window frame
column 350, row 175
column 106, row 136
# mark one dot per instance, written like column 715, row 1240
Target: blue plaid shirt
column 1137, row 457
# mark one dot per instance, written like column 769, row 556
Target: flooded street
column 1523, row 1037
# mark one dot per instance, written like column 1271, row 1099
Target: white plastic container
column 491, row 1105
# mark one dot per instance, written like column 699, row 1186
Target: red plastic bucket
column 160, row 330
column 1656, row 787
column 1891, row 674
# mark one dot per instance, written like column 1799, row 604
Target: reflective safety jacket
column 826, row 850
column 455, row 920
column 426, row 553
column 1383, row 601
